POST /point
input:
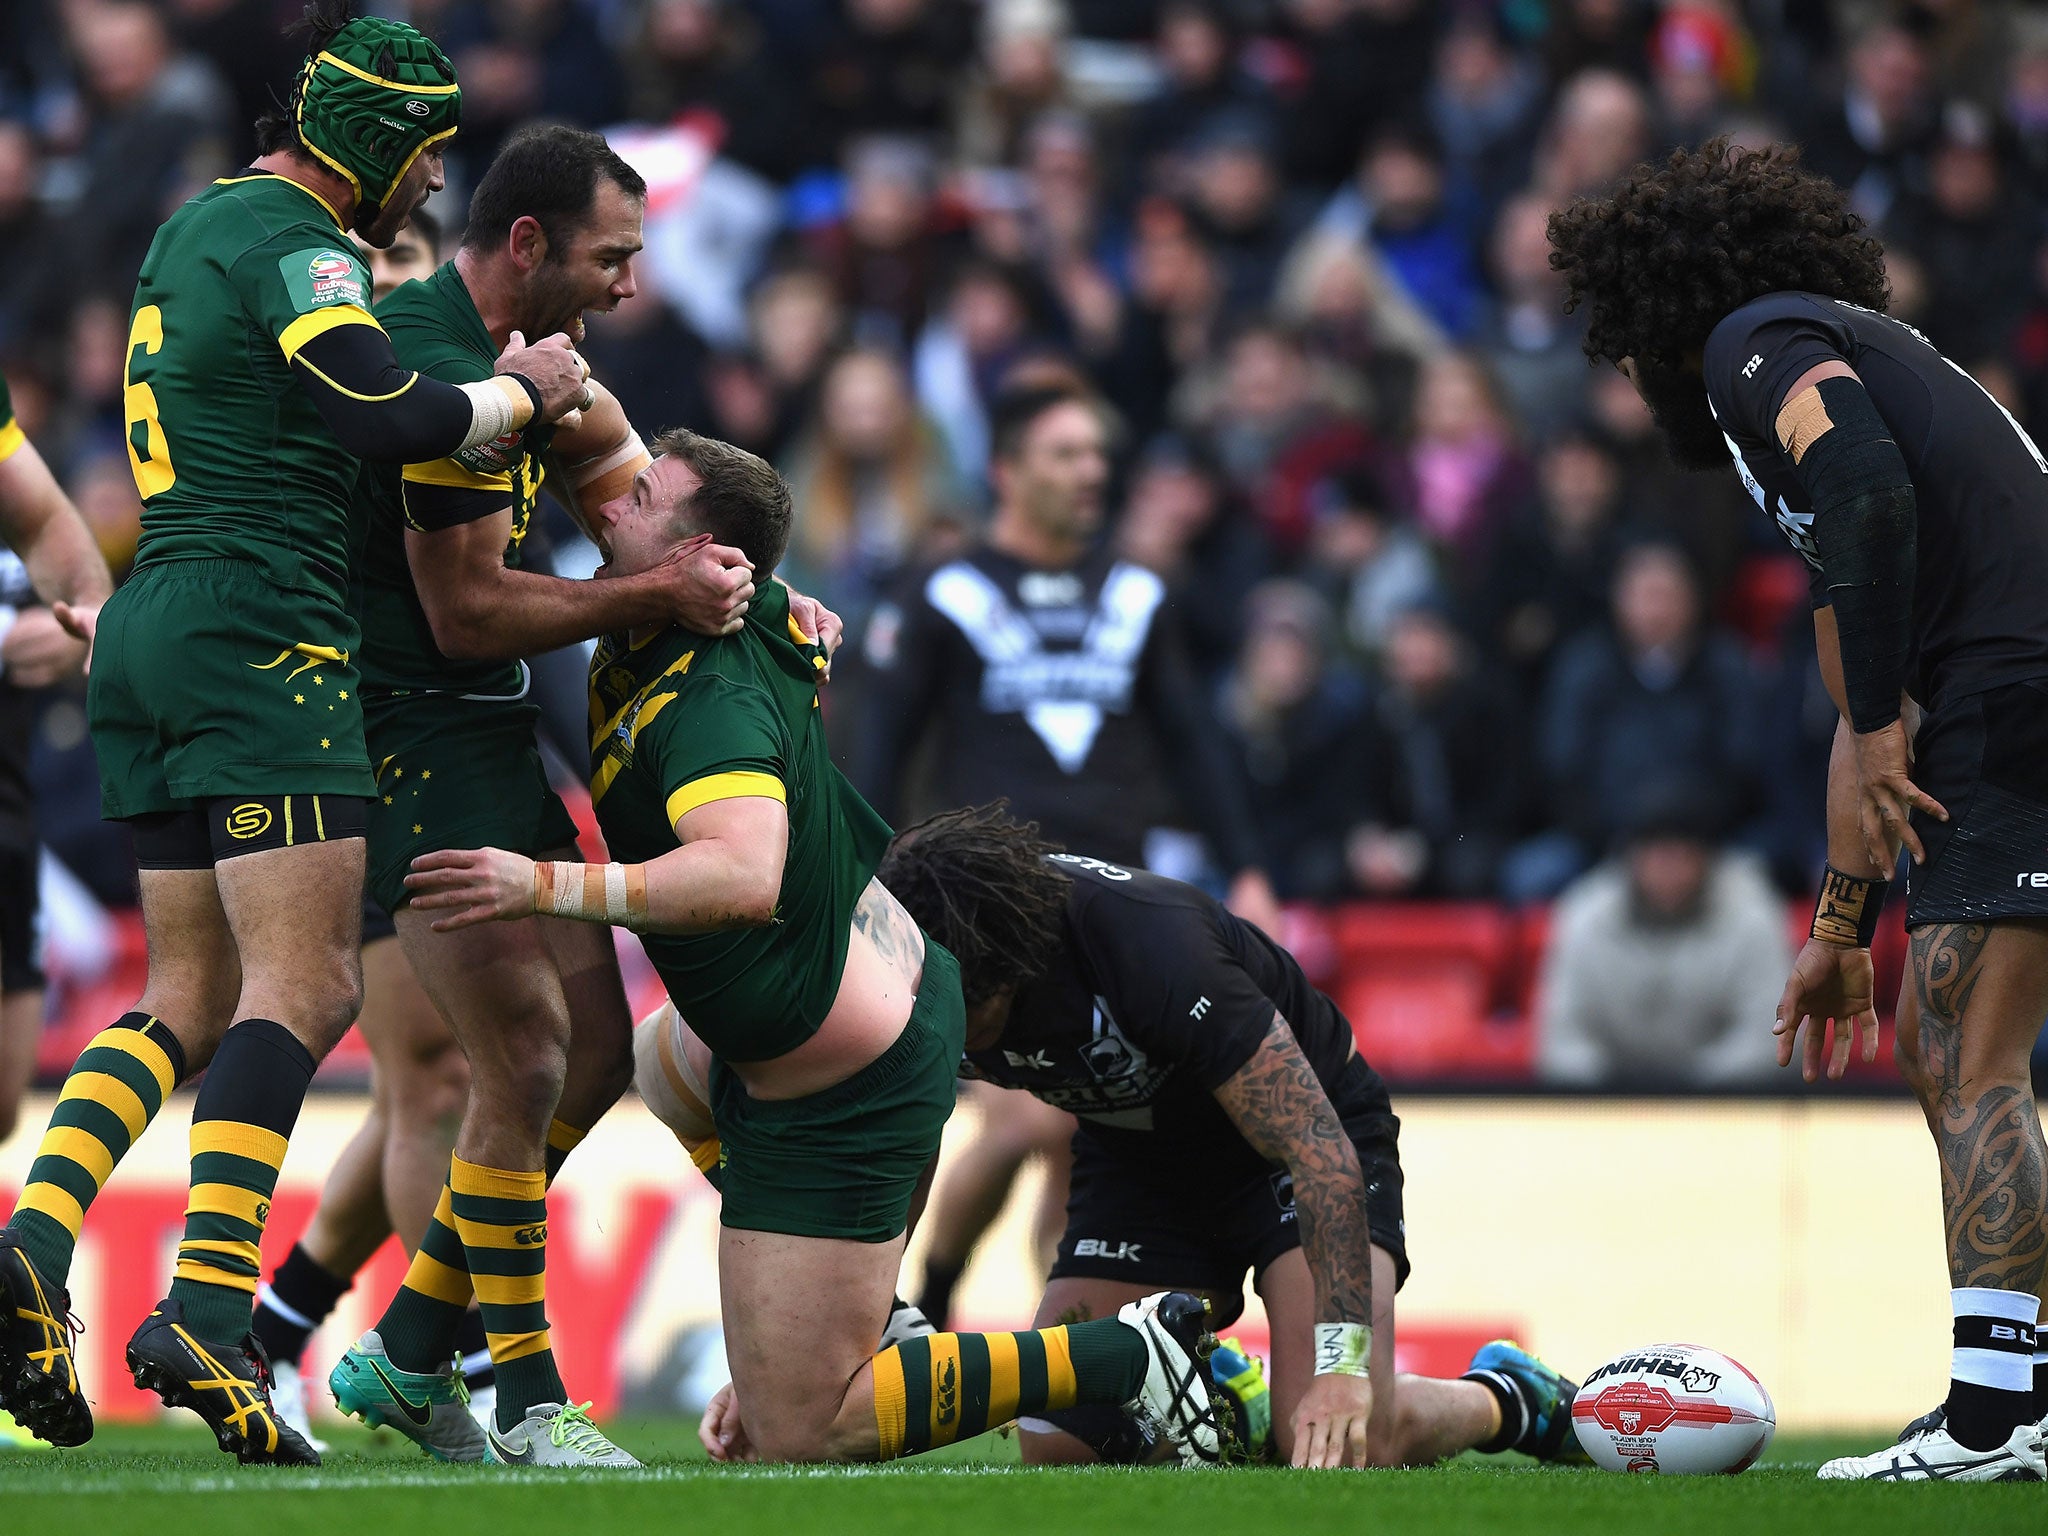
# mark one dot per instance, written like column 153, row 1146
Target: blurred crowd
column 1468, row 630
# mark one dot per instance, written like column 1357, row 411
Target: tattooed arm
column 1276, row 1101
column 1282, row 1110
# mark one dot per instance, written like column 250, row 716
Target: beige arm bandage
column 591, row 893
column 500, row 404
column 608, row 475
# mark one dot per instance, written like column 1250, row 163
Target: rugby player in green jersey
column 225, row 705
column 445, row 610
column 746, row 863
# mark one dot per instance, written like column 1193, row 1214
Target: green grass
column 167, row 1479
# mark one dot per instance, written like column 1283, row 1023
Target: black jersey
column 1066, row 691
column 1156, row 999
column 1980, row 593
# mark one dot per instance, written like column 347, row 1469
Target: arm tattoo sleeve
column 1276, row 1101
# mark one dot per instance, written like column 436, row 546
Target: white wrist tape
column 1343, row 1349
column 591, row 893
column 499, row 404
column 629, row 451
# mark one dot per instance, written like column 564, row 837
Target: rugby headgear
column 370, row 102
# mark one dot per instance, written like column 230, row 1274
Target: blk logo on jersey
column 1106, row 1248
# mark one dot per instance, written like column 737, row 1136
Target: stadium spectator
column 885, row 67
column 1665, row 962
column 1181, row 521
column 525, row 59
column 1462, row 475
column 1552, row 569
column 1367, row 560
column 1976, row 234
column 709, row 57
column 1874, row 136
column 1020, row 77
column 1298, row 725
column 875, row 488
column 1402, row 205
column 1484, row 98
column 1662, row 692
column 1446, row 779
column 1529, row 344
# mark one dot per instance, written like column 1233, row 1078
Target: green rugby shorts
column 844, row 1163
column 210, row 680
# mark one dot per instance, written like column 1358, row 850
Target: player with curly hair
column 1743, row 299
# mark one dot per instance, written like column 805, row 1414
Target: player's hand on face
column 720, row 1431
column 471, row 886
column 1886, row 796
column 709, row 585
column 1330, row 1422
column 39, row 650
column 554, row 368
column 819, row 622
column 1830, row 983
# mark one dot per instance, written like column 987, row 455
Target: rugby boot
column 38, row 1352
column 1545, row 1397
column 227, row 1385
column 1935, row 1456
column 429, row 1408
column 1244, row 1403
column 1174, row 1396
column 556, row 1435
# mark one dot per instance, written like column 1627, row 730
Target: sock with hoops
column 1991, row 1382
column 945, row 1387
column 1514, row 1412
column 114, row 1090
column 241, row 1124
column 295, row 1301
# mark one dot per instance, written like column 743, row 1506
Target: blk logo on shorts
column 1106, row 1248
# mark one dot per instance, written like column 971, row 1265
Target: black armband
column 1848, row 909
column 376, row 407
column 1864, row 528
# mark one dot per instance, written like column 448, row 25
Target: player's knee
column 526, row 1085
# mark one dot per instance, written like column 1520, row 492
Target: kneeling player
column 1198, row 1057
column 836, row 1028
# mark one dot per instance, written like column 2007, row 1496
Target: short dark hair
column 1015, row 410
column 740, row 500
column 1680, row 246
column 978, row 882
column 547, row 172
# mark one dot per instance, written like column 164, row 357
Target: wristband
column 591, row 893
column 1343, row 1349
column 1848, row 909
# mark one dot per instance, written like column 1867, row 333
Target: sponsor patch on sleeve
column 324, row 275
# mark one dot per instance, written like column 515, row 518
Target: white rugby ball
column 1674, row 1408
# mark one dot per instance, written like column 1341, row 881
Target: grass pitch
column 168, row 1479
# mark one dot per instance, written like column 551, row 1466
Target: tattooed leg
column 1979, row 995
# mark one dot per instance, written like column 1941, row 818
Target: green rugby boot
column 1536, row 1404
column 1237, row 1380
column 429, row 1408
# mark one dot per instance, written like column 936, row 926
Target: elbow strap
column 1864, row 528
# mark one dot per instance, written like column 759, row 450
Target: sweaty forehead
column 670, row 482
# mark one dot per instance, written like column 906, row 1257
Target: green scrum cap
column 371, row 102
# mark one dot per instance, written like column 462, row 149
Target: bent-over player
column 1742, row 297
column 746, row 862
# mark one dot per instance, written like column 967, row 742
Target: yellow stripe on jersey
column 608, row 770
column 448, row 472
column 11, row 439
column 319, row 323
column 724, row 786
column 230, row 181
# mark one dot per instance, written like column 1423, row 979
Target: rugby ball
column 1674, row 1408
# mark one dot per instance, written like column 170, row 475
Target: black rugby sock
column 295, row 1301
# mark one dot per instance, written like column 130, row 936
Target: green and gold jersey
column 680, row 721
column 11, row 437
column 435, row 330
column 231, row 456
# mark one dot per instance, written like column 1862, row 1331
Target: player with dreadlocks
column 1744, row 300
column 1197, row 1056
column 225, row 705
